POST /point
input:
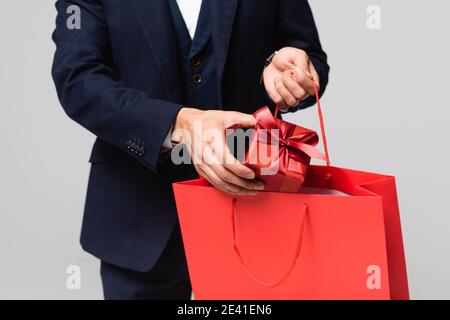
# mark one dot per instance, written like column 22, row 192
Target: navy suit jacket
column 118, row 76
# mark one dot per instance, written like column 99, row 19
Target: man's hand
column 204, row 133
column 289, row 77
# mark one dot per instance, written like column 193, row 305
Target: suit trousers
column 167, row 280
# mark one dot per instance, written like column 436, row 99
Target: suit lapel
column 222, row 17
column 156, row 22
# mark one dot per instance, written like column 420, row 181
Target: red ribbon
column 294, row 142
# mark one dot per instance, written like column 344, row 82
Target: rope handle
column 322, row 123
column 292, row 264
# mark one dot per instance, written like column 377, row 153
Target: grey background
column 386, row 110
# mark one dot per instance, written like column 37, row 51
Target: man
column 137, row 71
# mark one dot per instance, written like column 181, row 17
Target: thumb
column 239, row 120
column 301, row 61
column 314, row 73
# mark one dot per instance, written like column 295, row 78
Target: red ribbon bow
column 294, row 142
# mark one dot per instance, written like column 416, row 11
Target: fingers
column 234, row 166
column 301, row 61
column 209, row 174
column 220, row 183
column 296, row 62
column 303, row 72
column 305, row 79
column 288, row 99
column 230, row 177
column 276, row 97
column 293, row 86
column 227, row 173
column 230, row 170
column 235, row 119
column 212, row 158
column 269, row 83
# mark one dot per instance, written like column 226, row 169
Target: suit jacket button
column 196, row 61
column 197, row 79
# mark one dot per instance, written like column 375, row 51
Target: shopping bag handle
column 292, row 264
column 322, row 123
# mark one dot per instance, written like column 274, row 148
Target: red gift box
column 280, row 152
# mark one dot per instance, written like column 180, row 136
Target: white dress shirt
column 190, row 10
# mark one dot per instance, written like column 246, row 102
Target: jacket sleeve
column 92, row 93
column 296, row 28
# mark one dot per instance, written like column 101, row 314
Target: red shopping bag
column 308, row 245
